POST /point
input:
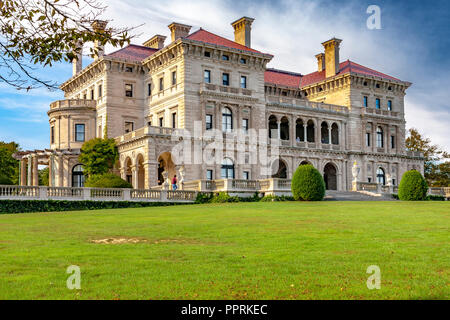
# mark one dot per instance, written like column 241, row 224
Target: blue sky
column 413, row 45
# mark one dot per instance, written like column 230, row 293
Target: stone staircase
column 356, row 196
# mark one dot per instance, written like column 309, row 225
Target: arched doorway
column 227, row 169
column 165, row 163
column 279, row 169
column 330, row 176
column 78, row 176
column 128, row 173
column 141, row 172
column 381, row 177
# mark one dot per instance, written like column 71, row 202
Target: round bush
column 413, row 186
column 107, row 180
column 307, row 184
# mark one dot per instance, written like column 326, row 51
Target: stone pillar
column 35, row 171
column 134, row 175
column 278, row 129
column 305, row 132
column 293, row 133
column 23, row 172
column 50, row 171
column 29, row 177
column 60, row 172
column 329, row 134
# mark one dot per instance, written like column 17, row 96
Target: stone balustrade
column 145, row 131
column 306, row 103
column 440, row 191
column 94, row 194
column 72, row 103
column 205, row 87
column 387, row 113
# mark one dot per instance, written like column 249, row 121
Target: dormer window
column 390, row 88
column 128, row 69
column 378, row 85
column 365, row 83
column 225, row 57
column 207, row 54
column 243, row 60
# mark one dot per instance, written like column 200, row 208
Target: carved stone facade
column 144, row 95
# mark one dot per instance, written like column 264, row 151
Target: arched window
column 78, row 176
column 227, row 120
column 334, row 134
column 380, row 140
column 310, row 131
column 273, row 127
column 299, row 131
column 279, row 169
column 381, row 178
column 227, row 171
column 324, row 133
column 284, row 129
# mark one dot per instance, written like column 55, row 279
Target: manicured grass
column 279, row 250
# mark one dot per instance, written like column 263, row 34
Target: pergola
column 31, row 159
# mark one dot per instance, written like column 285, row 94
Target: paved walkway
column 355, row 196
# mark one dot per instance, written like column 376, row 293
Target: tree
column 434, row 169
column 9, row 167
column 44, row 177
column 98, row 156
column 45, row 32
column 413, row 186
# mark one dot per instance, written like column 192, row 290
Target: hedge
column 413, row 186
column 107, row 180
column 25, row 206
column 307, row 184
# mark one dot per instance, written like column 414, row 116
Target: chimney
column 243, row 31
column 331, row 57
column 77, row 62
column 99, row 26
column 178, row 30
column 156, row 42
column 320, row 62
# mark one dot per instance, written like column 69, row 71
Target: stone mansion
column 199, row 82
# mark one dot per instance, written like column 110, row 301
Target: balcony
column 145, row 131
column 73, row 103
column 380, row 112
column 209, row 87
column 306, row 104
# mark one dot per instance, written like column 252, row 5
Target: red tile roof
column 211, row 38
column 133, row 52
column 282, row 78
column 344, row 67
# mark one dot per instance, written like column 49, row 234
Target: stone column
column 134, row 175
column 23, row 172
column 305, row 132
column 293, row 133
column 60, row 171
column 29, row 177
column 278, row 129
column 329, row 134
column 50, row 171
column 35, row 171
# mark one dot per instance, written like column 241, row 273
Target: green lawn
column 279, row 250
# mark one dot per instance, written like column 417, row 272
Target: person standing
column 174, row 183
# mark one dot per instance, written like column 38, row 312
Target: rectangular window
column 243, row 60
column 225, row 79
column 92, row 94
column 100, row 133
column 246, row 175
column 245, row 124
column 369, row 180
column 207, row 54
column 377, row 103
column 129, row 90
column 392, row 142
column 161, row 84
column 52, row 135
column 365, row 101
column 85, row 96
column 243, row 82
column 100, row 91
column 161, row 122
column 393, row 182
column 174, row 120
column 129, row 69
column 389, row 105
column 149, row 89
column 129, row 126
column 207, row 76
column 209, row 174
column 225, row 57
column 174, row 78
column 367, row 139
column 209, row 121
column 79, row 132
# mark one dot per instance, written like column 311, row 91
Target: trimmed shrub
column 107, row 180
column 308, row 184
column 203, row 198
column 272, row 198
column 413, row 186
column 25, row 206
column 435, row 198
column 223, row 197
